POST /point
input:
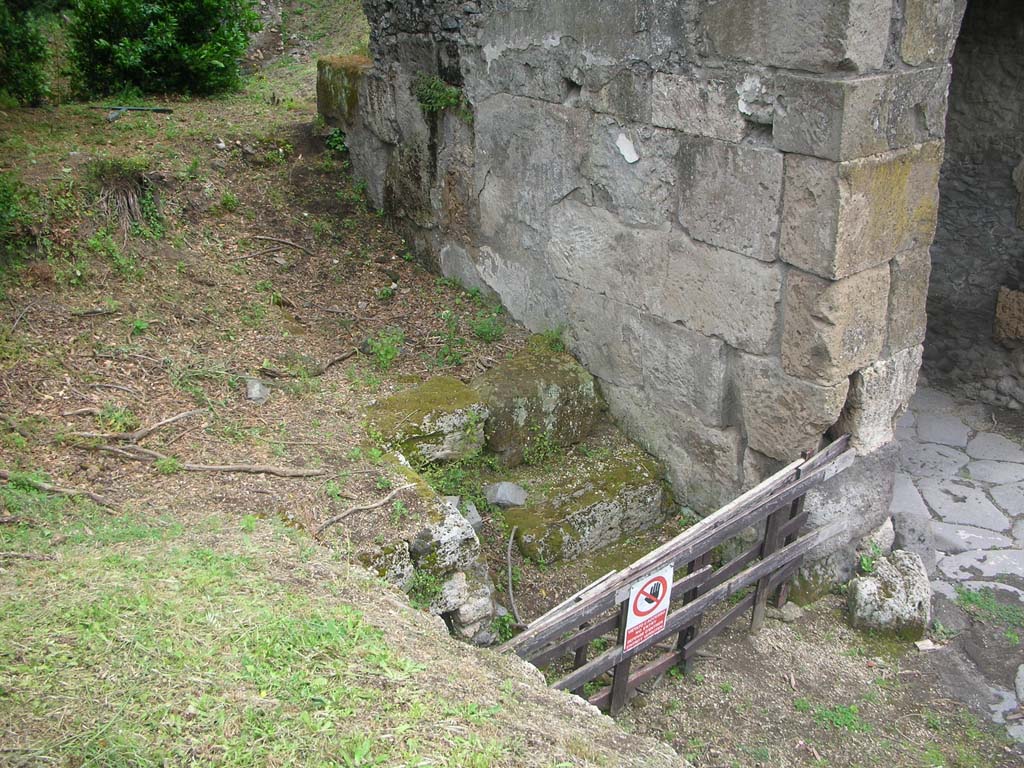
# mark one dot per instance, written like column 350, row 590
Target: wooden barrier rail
column 613, row 604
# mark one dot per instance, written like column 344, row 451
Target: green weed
column 385, row 347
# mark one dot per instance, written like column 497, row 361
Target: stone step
column 602, row 491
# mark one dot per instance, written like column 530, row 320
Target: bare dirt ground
column 256, row 255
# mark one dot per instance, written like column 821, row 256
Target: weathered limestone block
column 605, row 335
column 879, row 394
column 446, row 543
column 683, row 370
column 832, row 328
column 908, row 294
column 439, row 420
column 758, row 467
column 841, row 218
column 860, row 496
column 623, row 92
column 850, row 117
column 729, row 195
column 522, row 279
column 538, row 395
column 528, row 158
column 338, row 79
column 716, row 292
column 929, row 30
column 697, row 105
column 594, row 503
column 896, row 597
column 794, row 34
column 636, row 168
column 784, row 415
column 591, row 247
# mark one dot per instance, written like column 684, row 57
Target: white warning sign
column 649, row 600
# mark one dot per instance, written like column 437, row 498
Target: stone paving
column 969, row 480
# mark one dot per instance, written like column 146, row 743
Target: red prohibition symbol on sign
column 650, row 596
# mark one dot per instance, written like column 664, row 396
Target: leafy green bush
column 22, row 57
column 14, row 220
column 160, row 46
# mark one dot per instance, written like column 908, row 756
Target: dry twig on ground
column 360, row 508
column 59, row 490
column 135, row 453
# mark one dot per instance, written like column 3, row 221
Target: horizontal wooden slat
column 690, row 544
column 690, row 610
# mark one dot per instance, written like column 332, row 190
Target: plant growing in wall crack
column 435, row 95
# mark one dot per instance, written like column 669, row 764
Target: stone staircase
column 536, row 420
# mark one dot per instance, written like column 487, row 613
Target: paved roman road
column 958, row 469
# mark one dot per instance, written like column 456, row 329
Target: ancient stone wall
column 979, row 243
column 727, row 205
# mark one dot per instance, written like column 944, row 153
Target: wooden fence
column 613, row 605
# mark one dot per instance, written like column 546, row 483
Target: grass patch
column 983, row 605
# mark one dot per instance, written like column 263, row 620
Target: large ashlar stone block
column 879, row 394
column 850, row 117
column 797, row 34
column 635, row 167
column 605, row 335
column 784, row 415
column 623, row 92
column 729, row 195
column 703, row 462
column 929, row 30
column 337, row 87
column 860, row 496
column 716, row 292
column 528, row 157
column 683, row 371
column 833, row 328
column 591, row 247
column 697, row 105
column 908, row 296
column 841, row 218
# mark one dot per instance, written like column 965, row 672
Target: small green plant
column 336, row 141
column 385, row 294
column 168, row 465
column 137, row 327
column 452, row 345
column 192, row 171
column 801, row 705
column 384, row 483
column 355, row 454
column 248, row 524
column 117, row 419
column 540, row 447
column 333, row 489
column 552, row 339
column 726, row 688
column 424, row 589
column 487, row 326
column 435, row 95
column 399, row 511
column 229, row 201
column 504, row 627
column 867, row 561
column 386, row 347
column 846, row 718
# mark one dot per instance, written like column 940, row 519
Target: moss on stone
column 337, row 86
column 538, row 394
column 438, row 420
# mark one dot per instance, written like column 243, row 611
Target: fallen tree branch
column 339, row 359
column 136, row 453
column 283, row 242
column 361, row 508
column 59, row 490
column 24, row 556
column 273, row 373
column 138, row 434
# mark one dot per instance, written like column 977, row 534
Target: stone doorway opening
column 975, row 340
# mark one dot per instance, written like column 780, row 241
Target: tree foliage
column 160, row 46
column 22, row 57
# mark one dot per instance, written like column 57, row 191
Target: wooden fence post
column 620, row 677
